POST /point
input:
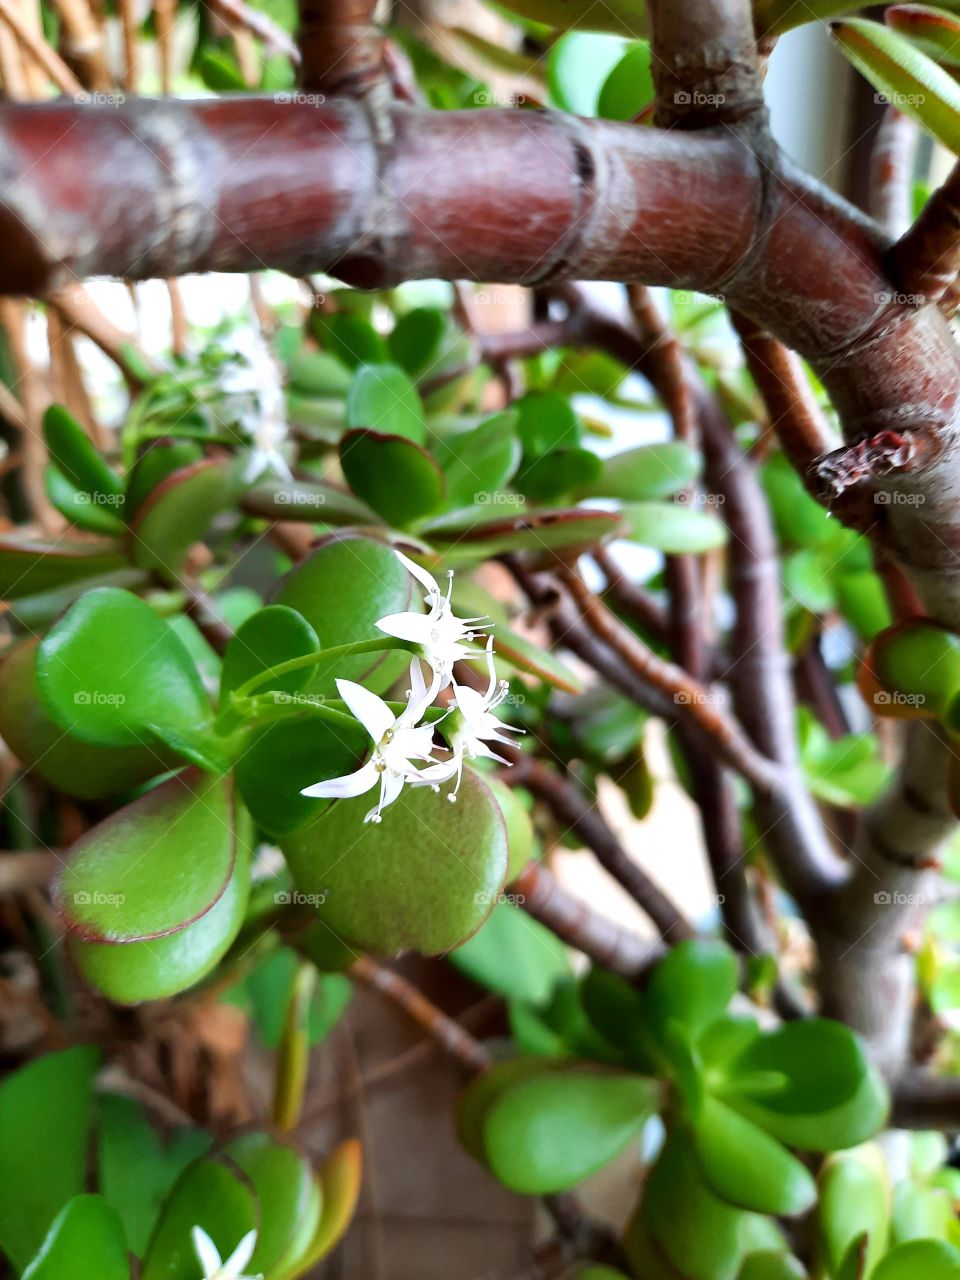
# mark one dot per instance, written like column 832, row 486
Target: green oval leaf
column 423, row 879
column 288, row 1200
column 628, row 89
column 918, row 663
column 114, row 673
column 648, row 472
column 479, row 463
column 179, row 512
column 416, row 338
column 396, row 477
column 746, row 1166
column 74, row 767
column 281, row 759
column 514, row 955
column 935, row 31
column 353, row 340
column 207, row 1195
column 79, row 508
column 674, row 528
column 86, row 1242
column 31, row 566
column 45, row 1122
column 272, row 635
column 692, row 987
column 155, row 866
column 479, row 536
column 342, row 589
column 931, row 1259
column 130, row 972
column 548, row 1133
column 382, row 398
column 135, row 1170
column 552, row 475
column 914, row 83
column 75, row 455
column 829, row 1096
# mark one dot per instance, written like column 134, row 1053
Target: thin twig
column 696, row 704
column 582, row 818
column 447, row 1032
column 45, row 57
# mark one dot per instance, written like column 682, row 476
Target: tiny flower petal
column 207, row 1252
column 422, row 575
column 372, row 712
column 238, row 1260
column 345, row 787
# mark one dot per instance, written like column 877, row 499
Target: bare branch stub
column 341, row 50
column 926, row 258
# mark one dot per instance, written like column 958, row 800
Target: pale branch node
column 891, row 171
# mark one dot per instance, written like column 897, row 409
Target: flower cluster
column 404, row 747
column 255, row 379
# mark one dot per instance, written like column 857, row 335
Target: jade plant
column 342, row 633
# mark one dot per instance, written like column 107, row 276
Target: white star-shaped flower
column 397, row 742
column 216, row 1269
column 439, row 633
column 473, row 724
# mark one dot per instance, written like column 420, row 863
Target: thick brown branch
column 239, row 184
column 705, row 62
column 341, row 49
